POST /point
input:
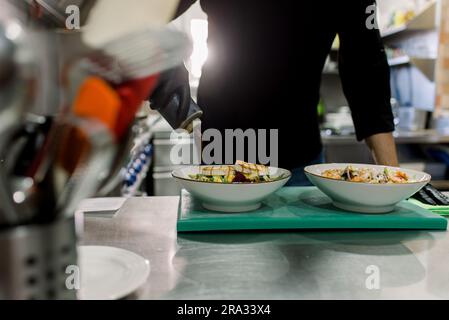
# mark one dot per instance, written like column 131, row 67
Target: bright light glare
column 199, row 31
column 13, row 31
column 19, row 197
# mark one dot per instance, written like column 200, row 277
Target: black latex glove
column 172, row 99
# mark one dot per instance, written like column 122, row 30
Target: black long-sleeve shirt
column 265, row 64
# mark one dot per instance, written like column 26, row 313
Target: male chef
column 264, row 71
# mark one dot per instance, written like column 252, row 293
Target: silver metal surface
column 34, row 260
column 266, row 265
column 15, row 98
column 165, row 184
column 418, row 137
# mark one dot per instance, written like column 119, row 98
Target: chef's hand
column 383, row 148
column 171, row 82
column 173, row 100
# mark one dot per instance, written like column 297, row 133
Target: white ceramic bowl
column 365, row 197
column 230, row 197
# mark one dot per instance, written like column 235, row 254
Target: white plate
column 365, row 197
column 230, row 197
column 109, row 273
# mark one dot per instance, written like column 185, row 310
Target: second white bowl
column 365, row 197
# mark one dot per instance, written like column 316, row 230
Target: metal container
column 163, row 149
column 165, row 184
column 34, row 261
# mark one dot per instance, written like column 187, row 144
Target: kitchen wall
column 442, row 75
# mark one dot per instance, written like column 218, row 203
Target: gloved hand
column 173, row 100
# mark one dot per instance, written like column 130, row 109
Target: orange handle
column 96, row 99
column 117, row 108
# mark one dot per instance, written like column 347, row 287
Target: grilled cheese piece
column 218, row 171
column 248, row 169
column 251, row 168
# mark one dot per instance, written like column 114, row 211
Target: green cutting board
column 302, row 208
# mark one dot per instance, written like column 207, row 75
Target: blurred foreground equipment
column 68, row 101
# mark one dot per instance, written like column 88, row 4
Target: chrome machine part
column 37, row 262
column 6, row 56
column 19, row 76
column 33, row 256
column 52, row 13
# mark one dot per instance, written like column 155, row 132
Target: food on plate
column 241, row 172
column 368, row 175
column 251, row 168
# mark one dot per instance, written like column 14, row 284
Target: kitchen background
column 416, row 37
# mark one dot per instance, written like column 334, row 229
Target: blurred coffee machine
column 53, row 150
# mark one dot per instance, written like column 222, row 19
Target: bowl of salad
column 231, row 188
column 366, row 188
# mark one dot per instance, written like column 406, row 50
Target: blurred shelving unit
column 412, row 49
column 422, row 28
column 397, row 61
column 426, row 19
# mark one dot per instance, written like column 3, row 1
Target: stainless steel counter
column 302, row 265
column 418, row 137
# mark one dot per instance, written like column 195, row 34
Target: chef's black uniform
column 265, row 64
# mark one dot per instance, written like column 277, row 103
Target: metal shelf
column 425, row 20
column 397, row 61
column 393, row 31
column 426, row 65
column 419, row 137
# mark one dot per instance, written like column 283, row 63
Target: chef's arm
column 383, row 148
column 365, row 76
column 172, row 96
